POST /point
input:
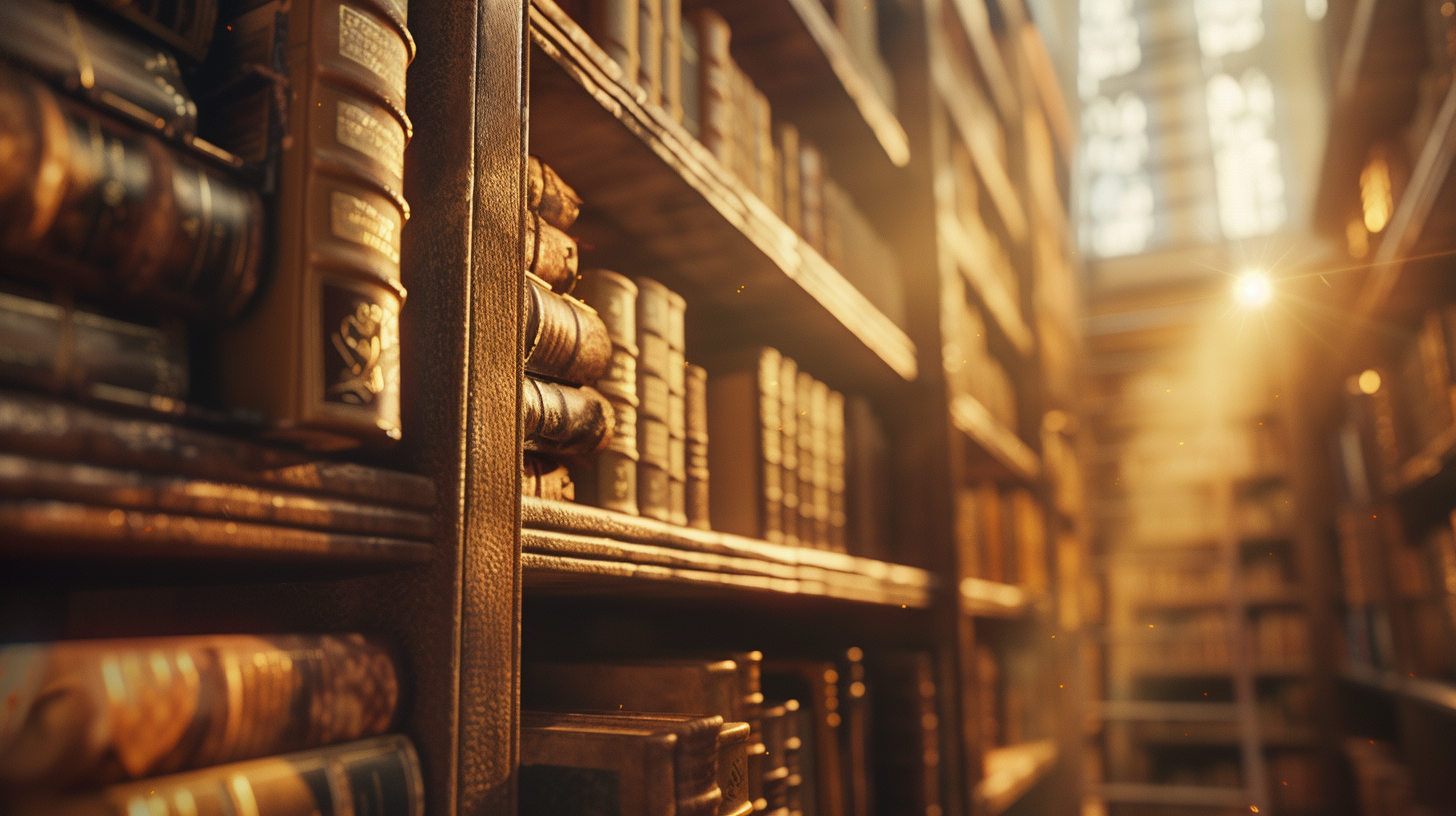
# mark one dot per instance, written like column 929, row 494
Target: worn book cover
column 745, row 458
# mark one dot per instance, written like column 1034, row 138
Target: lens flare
column 1252, row 290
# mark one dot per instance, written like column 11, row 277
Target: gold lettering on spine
column 379, row 138
column 354, row 219
column 373, row 46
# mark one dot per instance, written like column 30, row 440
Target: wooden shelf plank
column 990, row 599
column 1156, row 710
column 972, row 257
column 977, row 24
column 1431, row 692
column 586, row 548
column 1003, row 446
column 1189, row 795
column 1012, row 771
column 973, row 119
column 658, row 198
column 1220, row 733
column 1286, row 597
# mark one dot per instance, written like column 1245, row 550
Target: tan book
column 564, row 420
column 672, row 59
column 677, row 408
column 698, row 489
column 745, row 156
column 991, row 529
column 746, row 456
column 968, row 533
column 819, row 442
column 89, row 711
column 690, row 77
column 319, row 351
column 550, row 197
column 987, row 691
column 811, row 196
column 629, row 764
column 789, row 430
column 610, row 480
column 804, row 399
column 834, row 456
column 615, row 26
column 655, row 303
column 1031, row 542
column 566, row 339
column 765, row 164
column 649, row 49
column 815, row 684
column 790, row 166
column 550, row 254
column 715, row 85
column 363, row 778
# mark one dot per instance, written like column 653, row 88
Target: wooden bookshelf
column 1432, row 693
column 1011, row 772
column 995, row 445
column 989, row 599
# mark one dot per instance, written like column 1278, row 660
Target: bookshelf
column 182, row 515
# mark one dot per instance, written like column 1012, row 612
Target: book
column 107, row 68
column 867, row 481
column 766, row 159
column 550, row 254
column 677, row 430
column 790, row 165
column 672, row 59
column 319, row 352
column 624, row 763
column 799, row 785
column 545, row 479
column 907, row 733
column 789, row 430
column 804, row 400
column 93, row 711
column 58, row 348
column 610, row 480
column 550, row 197
column 815, row 684
column 373, row 777
column 775, row 779
column 689, row 76
column 819, row 445
column 986, row 691
column 715, row 75
column 859, row 23
column 811, row 196
column 698, row 506
column 649, row 49
column 654, row 431
column 854, row 733
column 566, row 339
column 613, row 24
column 745, row 458
column 835, row 473
column 1030, row 535
column 107, row 209
column 744, row 158
column 186, row 25
column 565, row 420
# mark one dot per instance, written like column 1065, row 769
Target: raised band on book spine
column 698, row 508
column 565, row 338
column 610, row 480
column 87, row 711
column 654, row 433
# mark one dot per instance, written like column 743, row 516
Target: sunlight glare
column 1252, row 290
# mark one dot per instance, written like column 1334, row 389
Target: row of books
column 970, row 366
column 268, row 725
column 730, row 734
column 681, row 61
column 1412, row 401
column 1200, row 642
column 1001, row 535
column 1011, row 697
column 168, row 198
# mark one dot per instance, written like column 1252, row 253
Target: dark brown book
column 563, row 419
column 854, row 733
column 550, row 197
column 867, row 484
column 615, row 27
column 96, row 711
column 715, row 81
column 610, row 480
column 110, row 210
column 775, row 780
column 698, row 486
column 186, row 25
column 625, row 763
column 986, row 688
column 566, row 339
column 319, row 352
column 373, row 777
column 655, row 304
column 811, row 196
column 789, row 429
column 99, row 63
column 545, row 479
column 551, row 254
column 906, row 734
column 58, row 348
column 815, row 684
column 745, row 458
column 79, row 434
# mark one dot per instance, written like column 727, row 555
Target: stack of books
column 273, row 725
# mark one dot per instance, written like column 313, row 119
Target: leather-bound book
column 715, row 85
column 815, row 684
column 834, row 463
column 672, row 59
column 649, row 49
column 991, row 528
column 614, row 26
column 854, row 733
column 112, row 211
column 745, row 157
column 58, row 348
column 610, row 480
column 906, row 733
column 319, row 352
column 765, row 182
column 550, row 197
column 690, row 76
column 1031, row 542
column 566, row 340
column 804, row 398
column 789, row 434
column 98, row 62
column 624, row 763
column 775, row 784
column 734, row 776
column 373, row 777
column 987, row 690
column 677, row 429
column 545, row 479
column 698, row 502
column 550, row 254
column 867, row 485
column 811, row 196
column 746, row 456
column 94, row 711
column 790, row 165
column 565, row 420
column 799, row 785
column 186, row 25
column 654, row 362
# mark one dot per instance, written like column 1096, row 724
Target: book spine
column 57, row 348
column 819, row 440
column 763, row 148
column 790, row 165
column 550, row 254
column 796, row 762
column 1436, row 367
column 690, row 76
column 187, row 25
column 697, row 485
column 811, row 196
column 771, row 508
column 745, row 158
column 614, row 25
column 654, row 303
column 364, row 778
column 649, row 49
column 230, row 697
column 804, row 399
column 563, row 420
column 610, row 481
column 993, row 526
column 565, row 339
column 834, row 433
column 733, row 775
column 789, row 439
column 866, row 465
column 110, row 70
column 545, row 479
column 320, row 352
column 550, row 197
column 672, row 59
column 677, row 429
column 715, row 86
column 113, row 211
